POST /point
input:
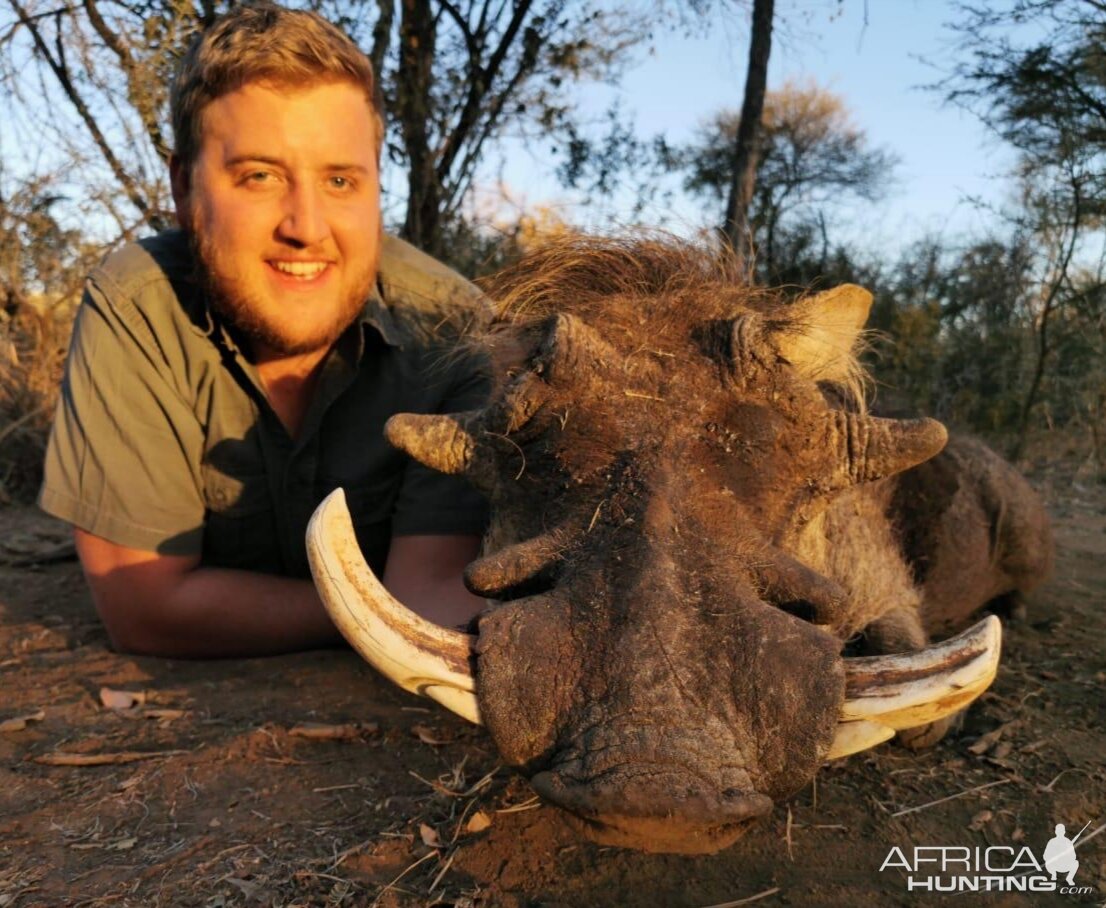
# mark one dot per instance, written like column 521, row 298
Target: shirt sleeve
column 123, row 458
column 433, row 503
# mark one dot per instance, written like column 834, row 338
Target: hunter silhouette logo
column 994, row 868
column 1060, row 854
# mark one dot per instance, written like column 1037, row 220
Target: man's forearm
column 214, row 612
column 166, row 605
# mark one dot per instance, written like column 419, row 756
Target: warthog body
column 694, row 521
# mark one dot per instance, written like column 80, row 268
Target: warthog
column 710, row 569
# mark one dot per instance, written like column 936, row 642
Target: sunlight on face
column 283, row 205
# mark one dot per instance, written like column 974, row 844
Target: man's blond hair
column 263, row 42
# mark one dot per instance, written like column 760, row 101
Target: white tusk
column 907, row 690
column 418, row 655
column 853, row 737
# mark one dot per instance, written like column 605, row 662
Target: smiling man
column 226, row 376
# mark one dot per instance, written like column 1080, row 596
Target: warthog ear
column 819, row 341
column 571, row 349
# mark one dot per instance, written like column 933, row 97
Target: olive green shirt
column 165, row 441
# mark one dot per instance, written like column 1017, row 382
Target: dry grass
column 32, row 353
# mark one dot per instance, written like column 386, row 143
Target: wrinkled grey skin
column 688, row 528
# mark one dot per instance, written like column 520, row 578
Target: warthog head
column 653, row 656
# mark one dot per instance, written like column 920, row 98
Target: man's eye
column 257, row 177
column 343, row 184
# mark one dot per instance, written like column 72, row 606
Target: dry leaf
column 427, row 736
column 121, row 699
column 980, row 820
column 1002, row 750
column 320, row 732
column 985, row 742
column 430, row 836
column 478, row 822
column 122, row 844
column 127, row 784
column 19, row 723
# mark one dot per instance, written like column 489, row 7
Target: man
column 223, row 378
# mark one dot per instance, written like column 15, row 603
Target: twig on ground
column 61, row 758
column 787, row 836
column 747, row 901
column 1059, row 776
column 353, row 849
column 441, row 873
column 951, row 797
column 403, row 873
column 533, row 803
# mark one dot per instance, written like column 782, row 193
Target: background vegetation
column 1003, row 335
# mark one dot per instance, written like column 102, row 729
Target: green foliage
column 1035, row 72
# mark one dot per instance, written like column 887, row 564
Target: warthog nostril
column 743, row 805
column 677, row 802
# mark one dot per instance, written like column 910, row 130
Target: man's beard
column 234, row 301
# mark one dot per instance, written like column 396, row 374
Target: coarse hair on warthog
column 264, row 42
column 709, row 568
column 653, row 285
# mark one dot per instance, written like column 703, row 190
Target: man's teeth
column 301, row 269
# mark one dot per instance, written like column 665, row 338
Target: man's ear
column 180, row 182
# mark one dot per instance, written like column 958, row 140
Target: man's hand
column 168, row 605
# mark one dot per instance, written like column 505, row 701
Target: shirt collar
column 376, row 314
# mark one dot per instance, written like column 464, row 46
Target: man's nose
column 304, row 222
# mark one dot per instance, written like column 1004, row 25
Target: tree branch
column 382, row 36
column 137, row 82
column 61, row 73
column 466, row 33
column 480, row 83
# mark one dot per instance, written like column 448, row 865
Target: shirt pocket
column 240, row 527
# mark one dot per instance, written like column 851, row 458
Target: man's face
column 283, row 204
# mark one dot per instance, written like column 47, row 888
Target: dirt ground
column 307, row 780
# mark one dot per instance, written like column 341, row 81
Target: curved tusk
column 418, row 655
column 884, row 694
column 853, row 737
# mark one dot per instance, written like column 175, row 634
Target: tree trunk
column 1051, row 303
column 422, row 226
column 746, row 147
column 382, row 36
